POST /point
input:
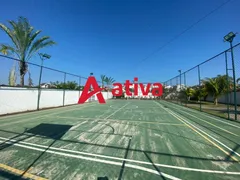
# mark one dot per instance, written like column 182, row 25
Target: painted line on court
column 203, row 113
column 41, row 116
column 20, row 121
column 22, row 115
column 77, row 125
column 170, row 124
column 47, row 150
column 191, row 126
column 20, row 172
column 210, row 123
column 171, row 112
column 111, row 106
column 86, row 120
column 15, row 142
column 120, row 120
column 116, row 111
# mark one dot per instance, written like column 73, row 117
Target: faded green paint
column 92, row 132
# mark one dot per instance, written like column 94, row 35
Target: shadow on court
column 124, row 162
column 49, row 131
column 8, row 175
column 14, row 139
column 138, row 150
column 232, row 152
column 155, row 167
column 103, row 178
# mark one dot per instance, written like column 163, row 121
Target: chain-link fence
column 212, row 86
column 18, row 75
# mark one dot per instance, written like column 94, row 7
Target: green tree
column 189, row 92
column 109, row 81
column 200, row 92
column 24, row 42
column 12, row 76
column 238, row 80
column 217, row 86
column 72, row 85
column 103, row 79
column 30, row 81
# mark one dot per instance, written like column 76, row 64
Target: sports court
column 122, row 139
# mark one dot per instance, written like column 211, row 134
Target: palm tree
column 103, row 79
column 109, row 81
column 4, row 50
column 200, row 92
column 25, row 43
column 217, row 86
column 189, row 92
column 238, row 80
column 12, row 76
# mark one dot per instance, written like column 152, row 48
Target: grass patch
column 213, row 112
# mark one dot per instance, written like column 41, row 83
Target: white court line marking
column 203, row 132
column 87, row 119
column 77, row 125
column 116, row 111
column 95, row 159
column 203, row 113
column 41, row 116
column 14, row 142
column 129, row 102
column 208, row 123
column 21, row 115
column 19, row 121
column 118, row 120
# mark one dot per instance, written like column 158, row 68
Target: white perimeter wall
column 17, row 100
column 223, row 98
column 14, row 100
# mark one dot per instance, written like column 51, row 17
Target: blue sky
column 112, row 37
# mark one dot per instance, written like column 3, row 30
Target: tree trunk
column 189, row 98
column 23, row 70
column 216, row 101
column 22, row 80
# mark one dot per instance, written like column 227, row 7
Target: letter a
column 96, row 90
column 157, row 91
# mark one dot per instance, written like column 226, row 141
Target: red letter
column 145, row 93
column 135, row 86
column 96, row 90
column 117, row 91
column 157, row 91
column 127, row 84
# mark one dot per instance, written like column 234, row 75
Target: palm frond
column 6, row 50
column 39, row 44
column 238, row 80
column 9, row 33
column 25, row 42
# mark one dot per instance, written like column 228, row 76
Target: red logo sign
column 96, row 90
column 91, row 81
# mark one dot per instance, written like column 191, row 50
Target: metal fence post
column 177, row 89
column 234, row 83
column 199, row 79
column 184, row 76
column 64, row 89
column 79, row 85
column 39, row 85
column 180, row 76
column 227, row 83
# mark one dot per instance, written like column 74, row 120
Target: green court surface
column 122, row 139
